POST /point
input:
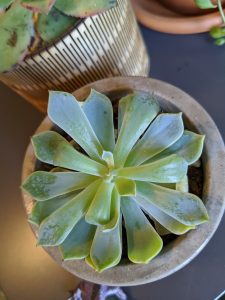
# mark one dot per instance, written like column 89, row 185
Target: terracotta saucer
column 153, row 14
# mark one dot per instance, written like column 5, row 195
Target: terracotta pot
column 105, row 45
column 180, row 252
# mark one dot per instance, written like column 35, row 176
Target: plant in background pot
column 118, row 181
column 62, row 44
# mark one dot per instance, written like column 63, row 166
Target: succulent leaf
column 99, row 210
column 43, row 209
column 51, row 148
column 164, row 131
column 65, row 111
column 125, row 187
column 143, row 241
column 205, row 4
column 166, row 170
column 186, row 208
column 98, row 109
column 53, row 25
column 55, row 228
column 78, row 243
column 39, row 6
column 45, row 185
column 114, row 212
column 140, row 110
column 189, row 146
column 16, row 29
column 106, row 249
column 84, row 8
column 4, row 4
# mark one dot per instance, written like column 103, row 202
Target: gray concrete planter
column 180, row 252
column 105, row 45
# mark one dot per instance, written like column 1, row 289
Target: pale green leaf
column 167, row 170
column 125, row 187
column 99, row 210
column 5, row 4
column 114, row 212
column 183, row 185
column 143, row 241
column 121, row 111
column 165, row 130
column 106, row 249
column 51, row 148
column 65, row 111
column 98, row 109
column 107, row 156
column 162, row 231
column 186, row 208
column 78, row 243
column 43, row 209
column 55, row 228
column 205, row 4
column 189, row 146
column 46, row 185
column 140, row 110
column 90, row 262
column 171, row 224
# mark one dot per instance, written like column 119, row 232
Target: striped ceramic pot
column 105, row 45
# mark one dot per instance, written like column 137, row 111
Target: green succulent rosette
column 127, row 174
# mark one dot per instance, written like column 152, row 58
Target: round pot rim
column 179, row 253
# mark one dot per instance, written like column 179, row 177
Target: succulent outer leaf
column 78, row 243
column 121, row 111
column 140, row 110
column 16, row 29
column 90, row 262
column 43, row 209
column 183, row 185
column 51, row 148
column 167, row 170
column 164, row 131
column 65, row 111
column 46, row 185
column 186, row 208
column 189, row 146
column 143, row 241
column 99, row 210
column 55, row 228
column 171, row 224
column 5, row 4
column 205, row 4
column 84, row 8
column 114, row 212
column 98, row 109
column 125, row 187
column 39, row 6
column 106, row 249
column 53, row 25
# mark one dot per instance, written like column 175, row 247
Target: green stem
column 220, row 7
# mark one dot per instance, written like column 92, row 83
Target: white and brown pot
column 108, row 44
column 183, row 249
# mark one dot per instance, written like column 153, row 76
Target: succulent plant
column 132, row 173
column 26, row 25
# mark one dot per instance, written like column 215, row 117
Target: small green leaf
column 189, row 146
column 5, row 4
column 220, row 42
column 45, row 185
column 164, row 131
column 114, row 212
column 84, row 8
column 107, row 156
column 106, row 249
column 143, row 241
column 43, row 209
column 51, row 148
column 217, row 32
column 55, row 228
column 99, row 210
column 164, row 219
column 125, row 187
column 98, row 109
column 205, row 4
column 53, row 25
column 140, row 110
column 78, row 243
column 40, row 6
column 65, row 111
column 186, row 208
column 167, row 170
